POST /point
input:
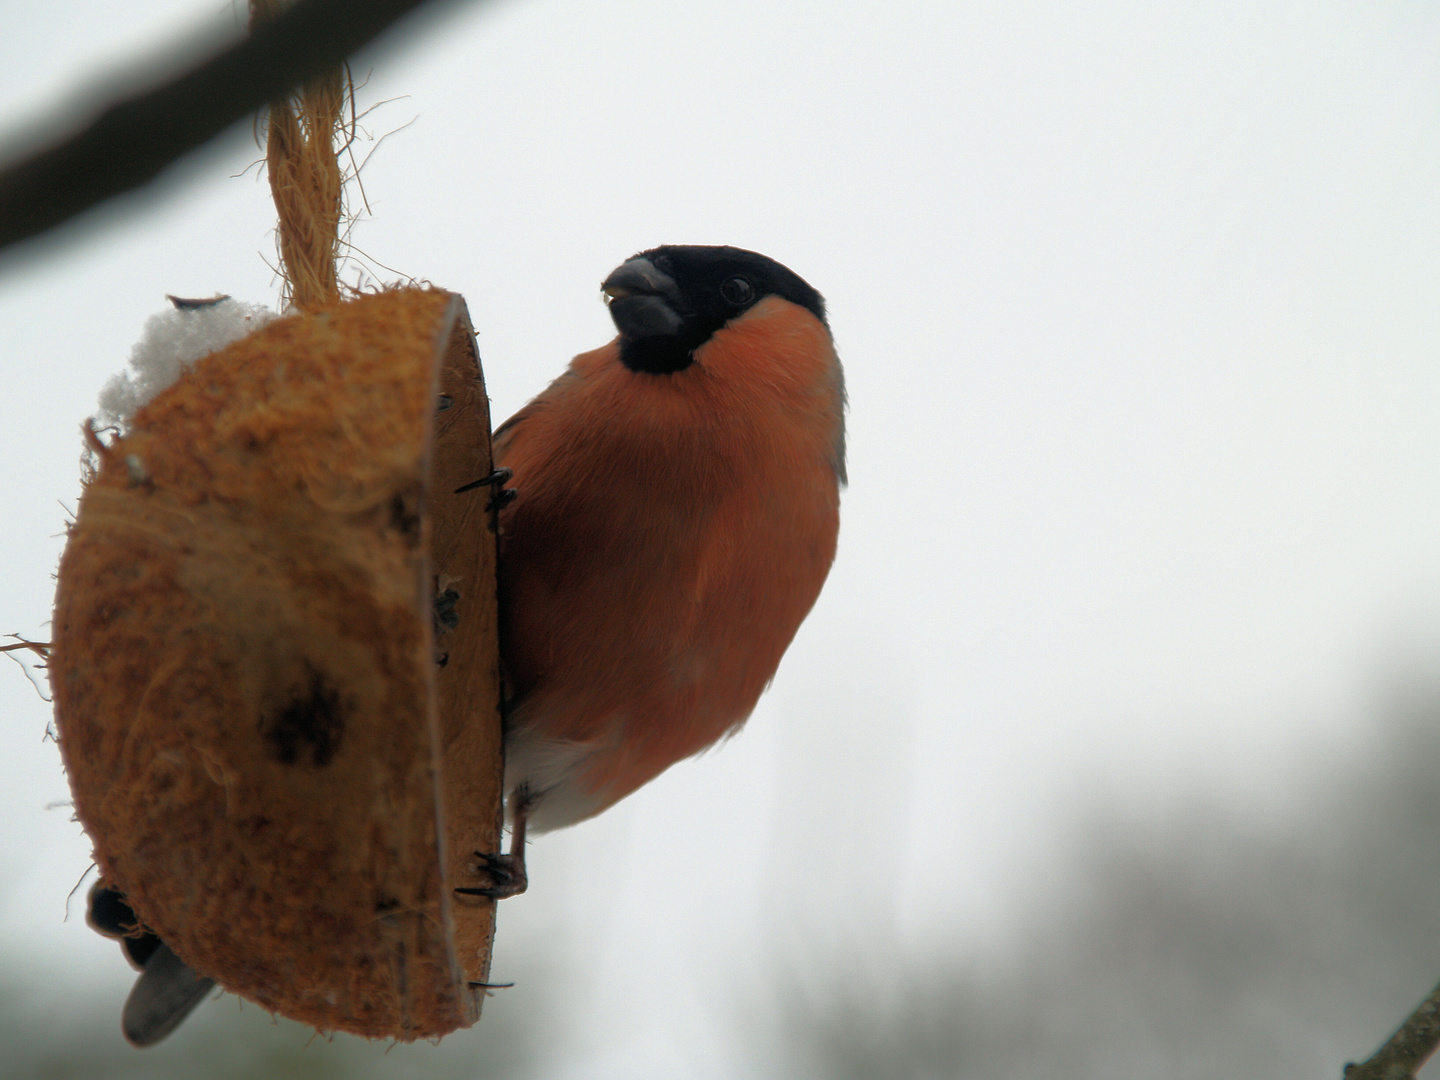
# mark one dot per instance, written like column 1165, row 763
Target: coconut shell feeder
column 275, row 661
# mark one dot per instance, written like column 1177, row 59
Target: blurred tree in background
column 1201, row 945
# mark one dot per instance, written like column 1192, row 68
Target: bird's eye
column 737, row 291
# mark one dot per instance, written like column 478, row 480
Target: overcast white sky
column 1138, row 308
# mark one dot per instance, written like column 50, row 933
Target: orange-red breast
column 676, row 511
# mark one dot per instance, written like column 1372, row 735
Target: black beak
column 643, row 301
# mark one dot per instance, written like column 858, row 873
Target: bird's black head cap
column 668, row 301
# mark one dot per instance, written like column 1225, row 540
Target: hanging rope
column 305, row 178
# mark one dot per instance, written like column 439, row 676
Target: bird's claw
column 506, row 872
column 497, row 477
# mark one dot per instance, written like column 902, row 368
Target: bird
column 673, row 516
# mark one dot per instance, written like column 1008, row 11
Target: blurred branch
column 1408, row 1049
column 129, row 143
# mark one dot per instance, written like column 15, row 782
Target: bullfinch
column 675, row 508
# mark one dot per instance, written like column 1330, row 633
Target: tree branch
column 1408, row 1049
column 129, row 143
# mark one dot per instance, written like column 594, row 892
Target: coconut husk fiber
column 284, row 758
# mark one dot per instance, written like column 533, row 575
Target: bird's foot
column 506, row 873
column 497, row 479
